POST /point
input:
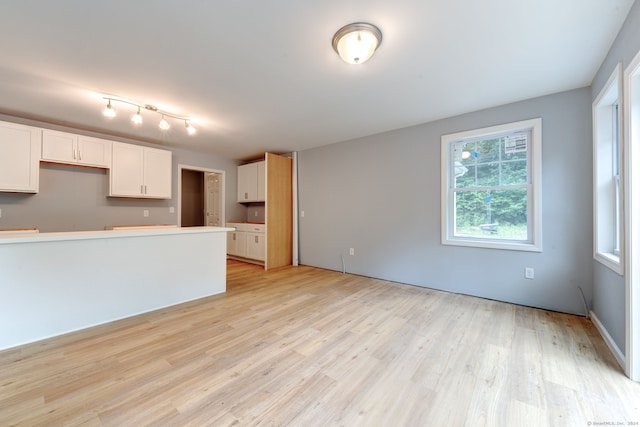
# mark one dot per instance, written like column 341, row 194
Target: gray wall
column 75, row 199
column 609, row 287
column 381, row 196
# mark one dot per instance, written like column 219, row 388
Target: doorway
column 200, row 197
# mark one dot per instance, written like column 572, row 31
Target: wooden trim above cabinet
column 279, row 211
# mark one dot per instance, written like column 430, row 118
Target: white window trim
column 602, row 171
column 535, row 202
column 631, row 149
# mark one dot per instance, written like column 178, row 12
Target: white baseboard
column 619, row 355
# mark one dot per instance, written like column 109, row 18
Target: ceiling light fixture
column 355, row 43
column 137, row 117
column 164, row 124
column 109, row 111
column 190, row 129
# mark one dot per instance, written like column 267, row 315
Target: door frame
column 631, row 208
column 222, row 173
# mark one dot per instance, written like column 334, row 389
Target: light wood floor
column 307, row 347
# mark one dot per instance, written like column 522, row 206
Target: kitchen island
column 54, row 283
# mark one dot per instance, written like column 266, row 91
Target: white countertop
column 105, row 234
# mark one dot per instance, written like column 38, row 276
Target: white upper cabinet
column 251, row 183
column 140, row 172
column 19, row 158
column 62, row 147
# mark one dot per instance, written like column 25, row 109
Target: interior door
column 212, row 203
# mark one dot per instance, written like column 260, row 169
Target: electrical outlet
column 528, row 273
column 172, row 209
column 351, row 251
column 301, row 214
column 145, row 213
column 255, row 213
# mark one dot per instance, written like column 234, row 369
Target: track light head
column 108, row 110
column 190, row 129
column 164, row 124
column 137, row 118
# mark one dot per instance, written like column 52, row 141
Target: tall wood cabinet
column 278, row 211
column 268, row 181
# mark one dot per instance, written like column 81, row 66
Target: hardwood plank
column 303, row 346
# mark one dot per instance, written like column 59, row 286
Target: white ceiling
column 262, row 76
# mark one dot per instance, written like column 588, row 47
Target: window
column 491, row 187
column 607, row 184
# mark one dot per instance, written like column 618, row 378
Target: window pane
column 488, row 174
column 495, row 214
column 488, row 150
column 514, row 173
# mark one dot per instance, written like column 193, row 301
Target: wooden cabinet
column 67, row 148
column 279, row 211
column 19, row 158
column 140, row 172
column 269, row 181
column 251, row 182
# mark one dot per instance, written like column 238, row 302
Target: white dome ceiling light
column 356, row 43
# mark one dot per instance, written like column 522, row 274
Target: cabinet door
column 94, row 152
column 256, row 248
column 261, row 182
column 19, row 158
column 247, row 183
column 236, row 243
column 59, row 147
column 126, row 174
column 157, row 173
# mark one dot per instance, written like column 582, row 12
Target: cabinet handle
column 79, row 154
column 234, row 236
column 141, row 189
column 256, row 237
column 246, row 196
column 74, row 154
column 145, row 189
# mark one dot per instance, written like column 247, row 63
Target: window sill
column 527, row 247
column 610, row 261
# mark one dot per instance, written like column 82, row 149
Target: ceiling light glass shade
column 164, row 124
column 109, row 111
column 190, row 129
column 356, row 43
column 137, row 118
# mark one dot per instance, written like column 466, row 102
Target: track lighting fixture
column 136, row 119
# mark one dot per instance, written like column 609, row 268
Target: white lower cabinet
column 248, row 241
column 236, row 243
column 256, row 248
